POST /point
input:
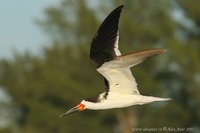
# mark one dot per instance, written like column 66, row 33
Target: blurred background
column 45, row 68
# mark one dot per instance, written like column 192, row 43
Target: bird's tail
column 150, row 99
column 134, row 58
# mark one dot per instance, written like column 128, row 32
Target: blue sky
column 18, row 31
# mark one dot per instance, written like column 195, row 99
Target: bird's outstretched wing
column 118, row 73
column 104, row 46
column 115, row 67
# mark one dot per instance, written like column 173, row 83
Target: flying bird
column 120, row 85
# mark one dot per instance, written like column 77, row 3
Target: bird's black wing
column 104, row 46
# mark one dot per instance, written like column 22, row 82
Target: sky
column 18, row 30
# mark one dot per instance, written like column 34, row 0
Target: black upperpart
column 102, row 46
column 94, row 99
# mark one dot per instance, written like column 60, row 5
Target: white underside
column 115, row 100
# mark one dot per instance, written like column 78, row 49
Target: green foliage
column 44, row 87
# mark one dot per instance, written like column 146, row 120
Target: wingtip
column 164, row 50
column 159, row 50
column 121, row 6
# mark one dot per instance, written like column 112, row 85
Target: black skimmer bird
column 121, row 87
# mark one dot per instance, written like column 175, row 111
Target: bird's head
column 77, row 108
column 87, row 103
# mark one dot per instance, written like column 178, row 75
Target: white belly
column 119, row 101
